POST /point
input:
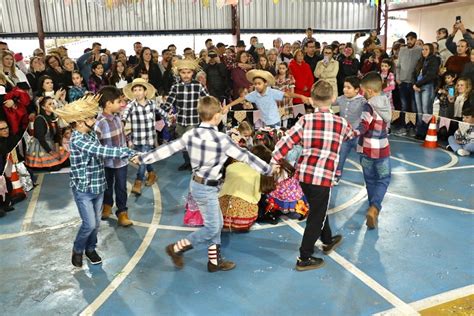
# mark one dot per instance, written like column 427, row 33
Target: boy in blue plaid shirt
column 87, row 173
column 208, row 151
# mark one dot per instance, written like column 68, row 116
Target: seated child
column 241, row 192
column 462, row 142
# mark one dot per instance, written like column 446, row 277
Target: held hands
column 135, row 160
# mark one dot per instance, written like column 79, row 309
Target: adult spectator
column 348, row 66
column 441, row 38
column 189, row 53
column 37, row 69
column 134, row 59
column 208, row 43
column 278, row 44
column 84, row 62
column 8, row 67
column 407, row 60
column 38, row 52
column 273, row 60
column 308, row 37
column 172, row 48
column 252, row 50
column 424, row 87
column 216, row 73
column 238, row 73
column 456, row 62
column 3, row 46
column 54, row 69
column 286, row 55
column 373, row 36
column 468, row 71
column 166, row 56
column 301, row 71
column 310, row 56
column 466, row 34
column 146, row 65
column 328, row 69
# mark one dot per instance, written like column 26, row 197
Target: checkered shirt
column 87, row 162
column 142, row 119
column 208, row 149
column 109, row 130
column 321, row 135
column 373, row 141
column 183, row 97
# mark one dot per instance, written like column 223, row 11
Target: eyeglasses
column 4, row 128
column 327, row 53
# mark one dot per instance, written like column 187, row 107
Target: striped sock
column 212, row 254
column 181, row 244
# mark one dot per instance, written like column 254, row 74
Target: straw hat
column 265, row 75
column 79, row 110
column 192, row 64
column 128, row 89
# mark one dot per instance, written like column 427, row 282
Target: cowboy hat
column 79, row 110
column 265, row 75
column 149, row 89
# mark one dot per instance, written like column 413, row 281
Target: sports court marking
column 132, row 263
column 434, row 300
column 400, row 305
column 30, row 211
column 39, row 231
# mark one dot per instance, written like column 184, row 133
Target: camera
column 103, row 50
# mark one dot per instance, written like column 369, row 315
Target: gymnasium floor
column 420, row 260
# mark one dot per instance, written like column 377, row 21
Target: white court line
column 132, row 263
column 355, row 164
column 453, row 207
column 409, row 163
column 30, row 211
column 434, row 300
column 367, row 280
column 38, row 231
column 356, row 198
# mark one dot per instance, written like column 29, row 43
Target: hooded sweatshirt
column 376, row 115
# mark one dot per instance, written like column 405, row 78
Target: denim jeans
column 424, row 105
column 377, row 174
column 90, row 210
column 206, row 198
column 345, row 150
column 116, row 181
column 406, row 99
column 455, row 146
column 142, row 167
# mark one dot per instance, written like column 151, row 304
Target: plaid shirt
column 208, row 149
column 87, row 167
column 142, row 119
column 373, row 141
column 184, row 98
column 321, row 135
column 109, row 130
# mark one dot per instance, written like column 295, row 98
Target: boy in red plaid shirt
column 321, row 134
column 373, row 144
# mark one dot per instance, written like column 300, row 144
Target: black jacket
column 429, row 71
column 217, row 78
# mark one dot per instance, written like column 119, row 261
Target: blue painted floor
column 423, row 247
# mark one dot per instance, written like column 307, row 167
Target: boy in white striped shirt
column 208, row 150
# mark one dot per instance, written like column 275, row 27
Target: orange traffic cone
column 17, row 194
column 431, row 140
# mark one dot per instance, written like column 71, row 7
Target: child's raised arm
column 292, row 95
column 162, row 152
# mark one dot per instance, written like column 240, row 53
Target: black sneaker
column 336, row 240
column 93, row 257
column 309, row 264
column 76, row 259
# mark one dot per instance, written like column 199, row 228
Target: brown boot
column 106, row 211
column 123, row 219
column 372, row 217
column 137, row 187
column 214, row 252
column 177, row 257
column 151, row 178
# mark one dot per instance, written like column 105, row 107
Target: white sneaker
column 463, row 152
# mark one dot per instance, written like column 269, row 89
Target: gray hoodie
column 407, row 60
column 381, row 105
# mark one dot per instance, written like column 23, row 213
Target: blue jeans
column 455, row 146
column 206, row 198
column 424, row 105
column 142, row 167
column 377, row 174
column 90, row 210
column 345, row 150
column 116, row 181
column 407, row 99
